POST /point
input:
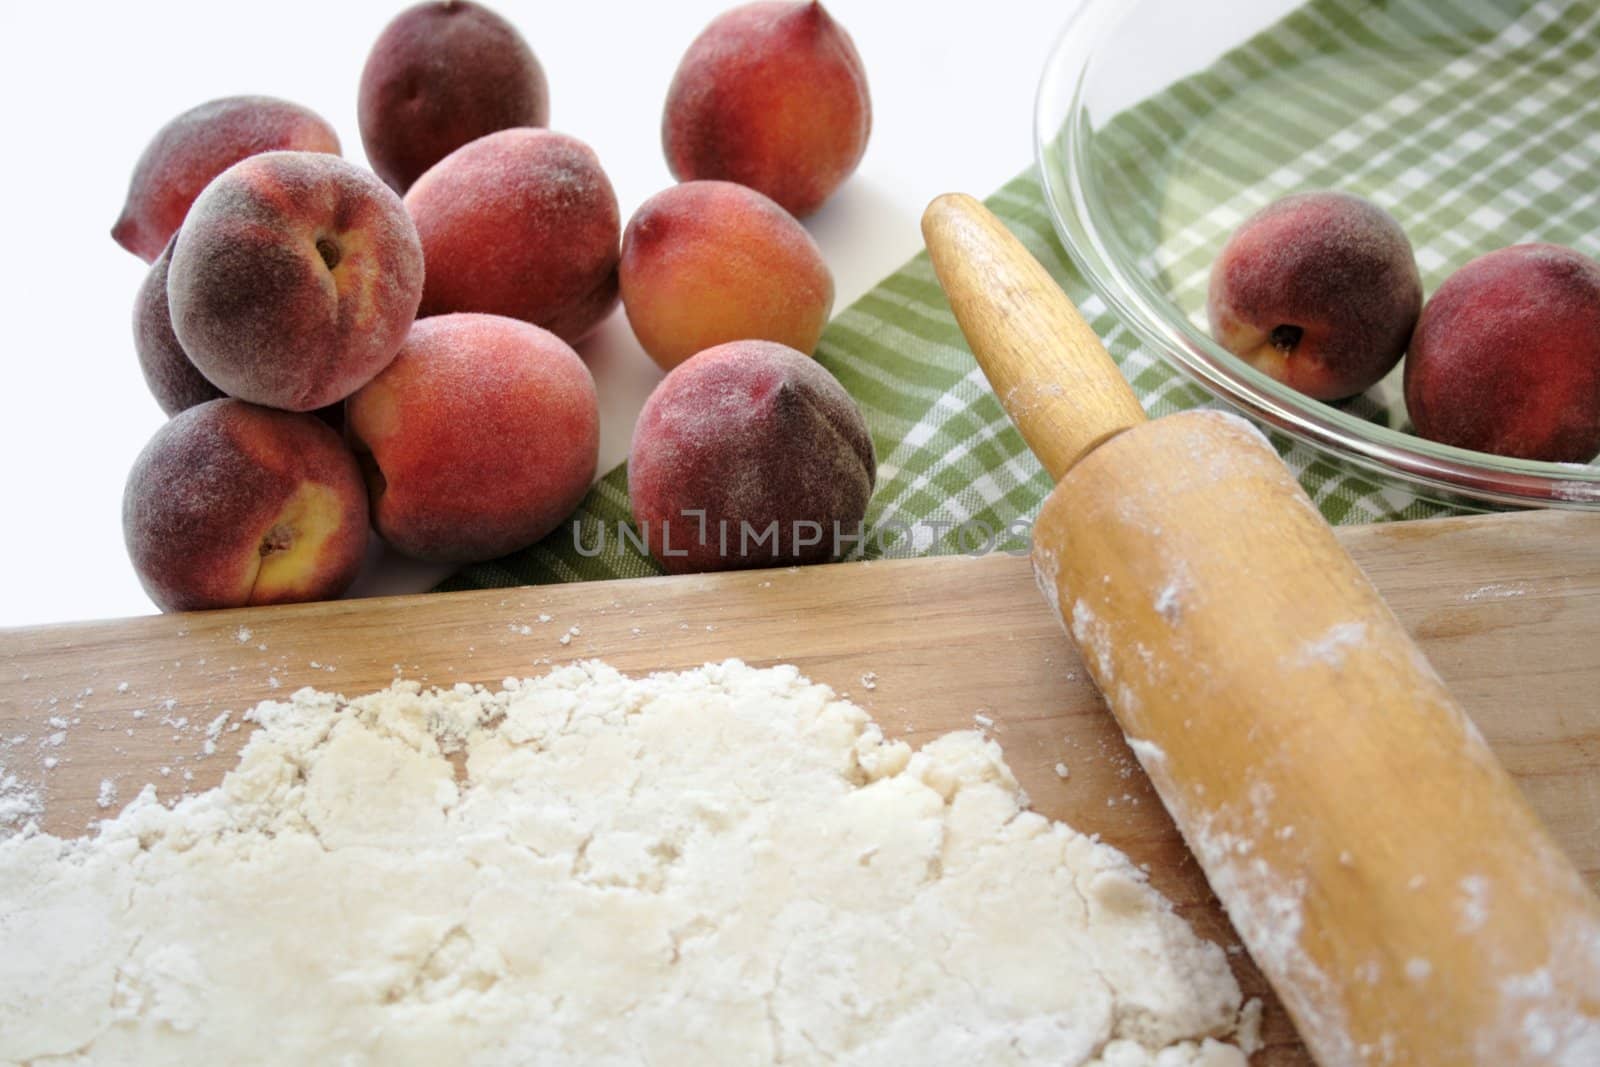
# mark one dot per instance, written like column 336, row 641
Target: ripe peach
column 233, row 504
column 479, row 438
column 521, row 223
column 709, row 262
column 748, row 455
column 195, row 147
column 294, row 279
column 1318, row 290
column 771, row 95
column 173, row 380
column 441, row 74
column 1506, row 357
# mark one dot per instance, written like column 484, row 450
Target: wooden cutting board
column 1507, row 608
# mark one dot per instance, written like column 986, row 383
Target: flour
column 1497, row 591
column 1474, row 905
column 1330, row 648
column 727, row 865
column 20, row 805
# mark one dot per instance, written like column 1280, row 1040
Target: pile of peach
column 1321, row 291
column 341, row 349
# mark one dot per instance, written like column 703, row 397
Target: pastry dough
column 727, row 865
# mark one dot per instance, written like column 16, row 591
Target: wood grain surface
column 1506, row 607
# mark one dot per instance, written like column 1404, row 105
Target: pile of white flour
column 724, row 866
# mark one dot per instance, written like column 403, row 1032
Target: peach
column 173, row 380
column 232, row 504
column 521, row 223
column 750, row 454
column 479, row 438
column 294, row 279
column 200, row 144
column 773, row 96
column 708, row 262
column 1506, row 357
column 441, row 74
column 1318, row 290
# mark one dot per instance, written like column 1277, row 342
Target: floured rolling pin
column 1381, row 866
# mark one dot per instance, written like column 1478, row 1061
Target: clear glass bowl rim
column 1073, row 204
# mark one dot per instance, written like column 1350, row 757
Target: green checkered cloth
column 1489, row 146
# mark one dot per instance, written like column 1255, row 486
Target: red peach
column 441, row 74
column 294, row 279
column 1318, row 290
column 771, row 95
column 168, row 371
column 709, row 262
column 479, row 438
column 173, row 380
column 1506, row 357
column 749, row 455
column 232, row 504
column 195, row 147
column 521, row 223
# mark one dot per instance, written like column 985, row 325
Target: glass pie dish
column 1160, row 125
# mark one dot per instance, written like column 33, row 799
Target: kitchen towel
column 954, row 475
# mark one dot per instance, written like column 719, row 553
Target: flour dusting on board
column 1497, row 591
column 724, row 864
column 20, row 804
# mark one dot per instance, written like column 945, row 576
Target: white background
column 83, row 88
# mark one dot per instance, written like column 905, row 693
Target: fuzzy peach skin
column 708, row 262
column 771, row 95
column 741, row 438
column 232, row 504
column 173, row 380
column 441, row 74
column 294, row 279
column 168, row 371
column 522, row 223
column 1319, row 290
column 1506, row 358
column 479, row 438
column 200, row 144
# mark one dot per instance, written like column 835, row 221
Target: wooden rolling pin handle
column 1386, row 874
column 1053, row 376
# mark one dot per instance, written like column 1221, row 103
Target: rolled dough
column 727, row 865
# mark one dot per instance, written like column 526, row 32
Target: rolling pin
column 1381, row 866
